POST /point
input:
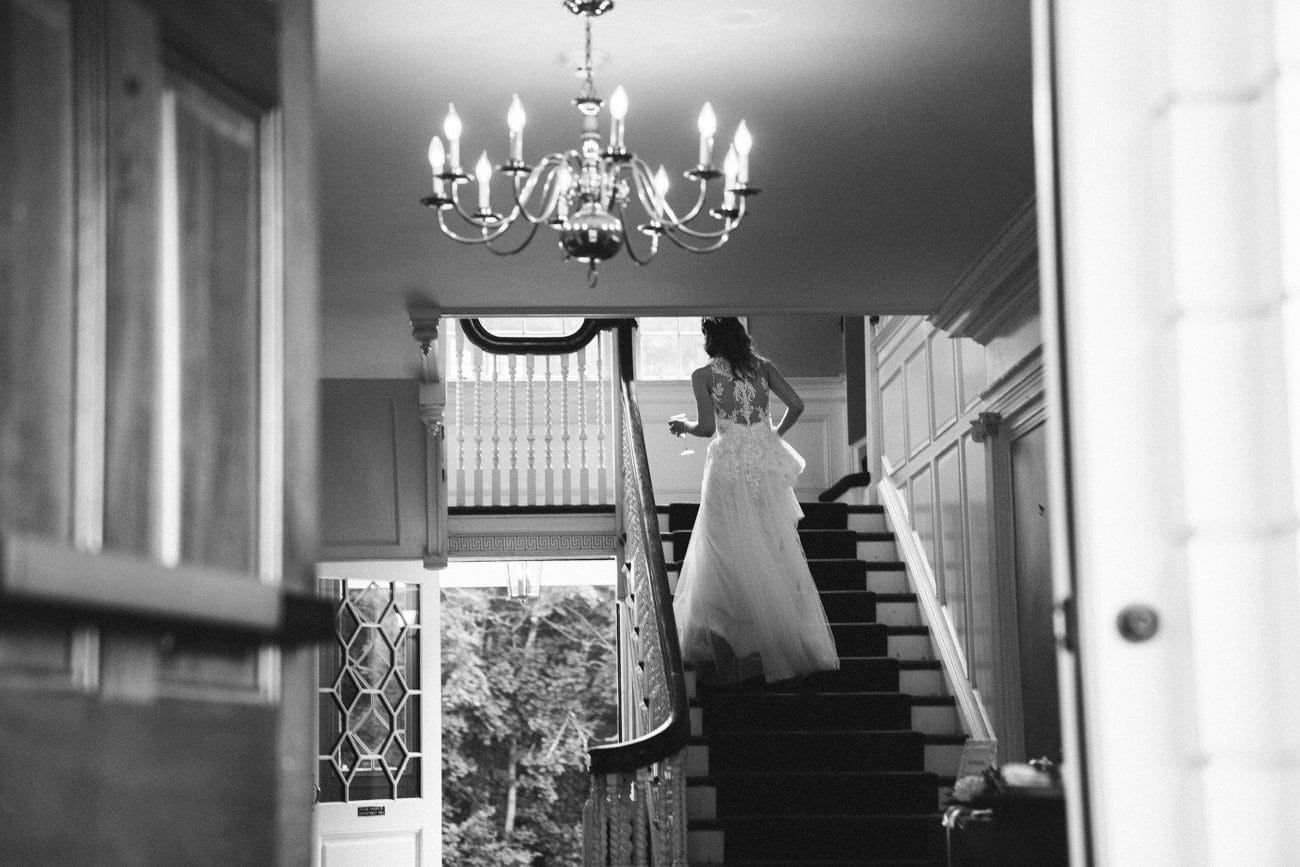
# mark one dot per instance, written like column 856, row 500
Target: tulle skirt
column 746, row 604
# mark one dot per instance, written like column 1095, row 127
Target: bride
column 745, row 604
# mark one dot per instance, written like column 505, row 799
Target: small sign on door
column 370, row 811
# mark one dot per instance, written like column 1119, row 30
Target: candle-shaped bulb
column 744, row 141
column 618, row 103
column 708, row 125
column 451, row 128
column 437, row 162
column 729, row 168
column 617, row 113
column 483, row 173
column 515, row 119
column 661, row 185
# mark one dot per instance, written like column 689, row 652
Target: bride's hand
column 677, row 425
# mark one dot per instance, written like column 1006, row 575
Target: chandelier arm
column 488, row 235
column 523, row 191
column 670, row 232
column 627, row 241
column 532, row 230
column 644, row 182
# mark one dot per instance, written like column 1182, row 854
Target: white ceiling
column 892, row 140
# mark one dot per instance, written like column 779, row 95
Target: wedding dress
column 745, row 603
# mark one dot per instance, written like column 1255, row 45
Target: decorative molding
column 540, row 545
column 1001, row 283
column 974, row 717
column 1020, row 389
column 433, row 407
column 984, row 426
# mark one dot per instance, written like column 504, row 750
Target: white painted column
column 1174, row 209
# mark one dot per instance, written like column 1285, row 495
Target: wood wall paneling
column 943, row 380
column 917, row 374
column 372, row 470
column 974, row 375
column 921, row 497
column 134, row 98
column 1038, row 671
column 982, row 579
column 952, row 542
column 893, row 409
column 37, row 327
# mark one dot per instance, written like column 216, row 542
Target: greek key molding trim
column 541, row 545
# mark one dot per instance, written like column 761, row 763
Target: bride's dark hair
column 725, row 337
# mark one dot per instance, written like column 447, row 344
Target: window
column 669, row 347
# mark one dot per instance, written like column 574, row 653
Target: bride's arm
column 704, row 426
column 782, row 389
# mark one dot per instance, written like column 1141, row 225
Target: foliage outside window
column 526, row 685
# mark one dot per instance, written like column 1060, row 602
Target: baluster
column 602, row 480
column 460, row 417
column 532, row 433
column 496, row 429
column 566, row 477
column 584, row 474
column 514, row 432
column 476, row 359
column 548, row 439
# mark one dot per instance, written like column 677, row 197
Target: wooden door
column 157, row 432
column 378, row 734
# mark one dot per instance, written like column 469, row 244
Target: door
column 156, row 450
column 378, row 735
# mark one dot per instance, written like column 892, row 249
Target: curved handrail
column 670, row 735
column 497, row 344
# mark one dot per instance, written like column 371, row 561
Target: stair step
column 817, row 544
column 788, row 837
column 921, row 677
column 825, row 516
column 769, row 793
column 790, row 711
column 856, row 674
column 861, row 639
column 849, row 606
column 903, row 750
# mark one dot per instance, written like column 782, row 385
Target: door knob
column 1138, row 623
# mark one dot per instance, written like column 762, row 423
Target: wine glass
column 687, row 450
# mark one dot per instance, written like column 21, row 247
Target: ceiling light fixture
column 584, row 194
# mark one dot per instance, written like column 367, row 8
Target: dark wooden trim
column 626, row 352
column 49, row 580
column 476, row 333
column 671, row 735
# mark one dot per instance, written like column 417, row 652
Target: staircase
column 849, row 767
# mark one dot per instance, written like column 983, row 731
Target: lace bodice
column 737, row 400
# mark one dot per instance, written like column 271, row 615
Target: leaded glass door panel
column 378, row 739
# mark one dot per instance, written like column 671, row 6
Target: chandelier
column 585, row 194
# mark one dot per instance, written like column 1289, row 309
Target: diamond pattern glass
column 369, row 697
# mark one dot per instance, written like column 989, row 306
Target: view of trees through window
column 527, row 684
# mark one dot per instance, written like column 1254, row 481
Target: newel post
column 433, row 407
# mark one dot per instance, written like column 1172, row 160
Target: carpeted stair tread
column 831, row 516
column 793, row 711
column 861, row 639
column 849, row 606
column 834, row 573
column 817, row 544
column 853, row 750
column 856, row 674
column 830, row 836
column 833, row 793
